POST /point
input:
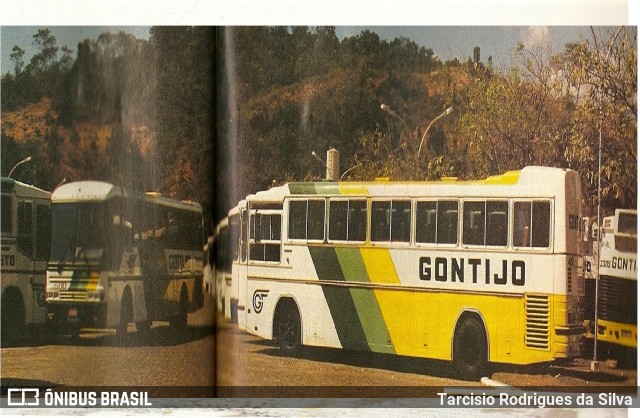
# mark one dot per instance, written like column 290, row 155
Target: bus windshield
column 78, row 232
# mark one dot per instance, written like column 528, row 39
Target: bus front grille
column 617, row 300
column 537, row 327
column 73, row 296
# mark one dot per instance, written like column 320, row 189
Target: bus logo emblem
column 258, row 300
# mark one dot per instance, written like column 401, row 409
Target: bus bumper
column 625, row 335
column 569, row 340
column 78, row 314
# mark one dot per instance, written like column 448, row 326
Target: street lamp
column 313, row 153
column 392, row 113
column 24, row 160
column 424, row 135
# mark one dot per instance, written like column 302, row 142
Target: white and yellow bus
column 618, row 280
column 119, row 257
column 26, row 239
column 222, row 271
column 231, row 272
column 473, row 272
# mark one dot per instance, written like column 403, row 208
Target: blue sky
column 447, row 42
column 68, row 36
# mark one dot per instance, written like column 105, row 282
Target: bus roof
column 530, row 181
column 10, row 185
column 96, row 191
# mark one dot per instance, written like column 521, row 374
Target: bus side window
column 315, row 220
column 426, row 222
column 531, row 222
column 25, row 228
column 338, row 210
column 521, row 224
column 297, row 219
column 7, row 214
column 401, row 221
column 447, row 222
column 381, row 221
column 357, row 220
column 473, row 223
column 244, row 224
column 541, row 219
column 498, row 213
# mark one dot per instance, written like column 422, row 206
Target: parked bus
column 26, row 240
column 119, row 257
column 472, row 272
column 221, row 243
column 209, row 251
column 618, row 283
column 229, row 272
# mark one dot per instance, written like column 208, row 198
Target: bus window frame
column 261, row 241
column 328, row 219
column 10, row 213
column 512, row 224
column 486, row 201
column 325, row 233
column 437, row 200
column 390, row 242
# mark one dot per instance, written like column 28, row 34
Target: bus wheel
column 179, row 322
column 288, row 329
column 470, row 349
column 13, row 321
column 126, row 313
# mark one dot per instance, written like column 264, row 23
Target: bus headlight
column 94, row 296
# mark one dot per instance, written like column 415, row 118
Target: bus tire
column 126, row 313
column 470, row 349
column 179, row 322
column 13, row 317
column 288, row 328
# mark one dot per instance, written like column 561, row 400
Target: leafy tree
column 603, row 81
column 17, row 56
column 46, row 43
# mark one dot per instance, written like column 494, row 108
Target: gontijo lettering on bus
column 443, row 269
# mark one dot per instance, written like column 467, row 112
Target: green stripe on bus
column 339, row 299
column 79, row 281
column 373, row 324
column 308, row 188
column 327, row 188
column 352, row 265
column 365, row 301
column 369, row 331
column 302, row 188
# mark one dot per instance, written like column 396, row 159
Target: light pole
column 24, row 160
column 317, row 157
column 424, row 135
column 392, row 113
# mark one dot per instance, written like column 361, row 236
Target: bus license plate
column 73, row 312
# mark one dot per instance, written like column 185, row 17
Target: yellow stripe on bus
column 422, row 324
column 92, row 282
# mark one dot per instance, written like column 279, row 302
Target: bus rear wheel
column 179, row 322
column 470, row 350
column 288, row 328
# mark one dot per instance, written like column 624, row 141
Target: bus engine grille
column 617, row 300
column 537, row 329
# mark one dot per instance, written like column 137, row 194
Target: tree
column 603, row 82
column 17, row 56
column 46, row 42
